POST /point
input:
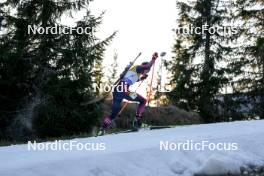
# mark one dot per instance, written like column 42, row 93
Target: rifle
column 126, row 69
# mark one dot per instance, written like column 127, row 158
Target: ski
column 137, row 130
column 158, row 127
column 127, row 131
column 142, row 129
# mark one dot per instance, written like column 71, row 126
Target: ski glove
column 143, row 77
column 155, row 56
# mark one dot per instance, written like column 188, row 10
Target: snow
column 139, row 154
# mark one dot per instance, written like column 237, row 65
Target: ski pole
column 152, row 76
column 150, row 90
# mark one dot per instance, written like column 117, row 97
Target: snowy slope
column 139, row 154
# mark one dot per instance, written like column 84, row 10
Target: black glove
column 143, row 77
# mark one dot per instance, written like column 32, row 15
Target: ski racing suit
column 135, row 74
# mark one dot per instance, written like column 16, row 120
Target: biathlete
column 121, row 91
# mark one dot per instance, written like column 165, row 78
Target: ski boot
column 137, row 122
column 100, row 132
column 106, row 123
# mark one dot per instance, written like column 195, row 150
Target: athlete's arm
column 141, row 68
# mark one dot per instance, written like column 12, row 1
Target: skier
column 121, row 91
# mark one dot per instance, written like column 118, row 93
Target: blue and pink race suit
column 130, row 78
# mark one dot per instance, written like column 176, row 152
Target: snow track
column 139, row 154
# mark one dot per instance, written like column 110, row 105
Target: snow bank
column 139, row 154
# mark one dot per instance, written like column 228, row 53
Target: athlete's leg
column 140, row 109
column 141, row 106
column 138, row 98
column 116, row 106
